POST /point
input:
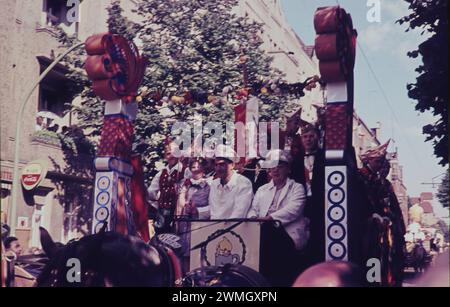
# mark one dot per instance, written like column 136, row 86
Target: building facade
column 290, row 54
column 28, row 44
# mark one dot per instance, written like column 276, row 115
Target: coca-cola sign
column 33, row 174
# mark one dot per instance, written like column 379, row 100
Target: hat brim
column 229, row 159
column 268, row 164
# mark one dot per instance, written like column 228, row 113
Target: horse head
column 105, row 259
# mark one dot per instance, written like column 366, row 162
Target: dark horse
column 106, row 259
column 112, row 259
column 417, row 258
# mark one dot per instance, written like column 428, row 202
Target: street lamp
column 432, row 183
column 16, row 182
column 281, row 51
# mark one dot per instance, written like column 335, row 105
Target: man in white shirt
column 231, row 194
column 282, row 198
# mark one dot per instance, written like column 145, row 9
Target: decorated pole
column 116, row 70
column 335, row 48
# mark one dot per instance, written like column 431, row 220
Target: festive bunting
column 269, row 87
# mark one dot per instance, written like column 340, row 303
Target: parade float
column 233, row 252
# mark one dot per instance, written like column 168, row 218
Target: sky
column 385, row 45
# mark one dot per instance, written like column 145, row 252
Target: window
column 54, row 94
column 50, row 99
column 51, row 107
column 55, row 13
column 394, row 172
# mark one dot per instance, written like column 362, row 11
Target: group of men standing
column 286, row 186
column 282, row 187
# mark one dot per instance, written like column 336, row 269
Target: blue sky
column 385, row 45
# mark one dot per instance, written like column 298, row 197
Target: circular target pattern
column 336, row 195
column 102, row 198
column 336, row 232
column 336, row 178
column 98, row 227
column 337, row 250
column 101, row 214
column 103, row 183
column 336, row 213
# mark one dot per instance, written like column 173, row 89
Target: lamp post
column 12, row 212
column 281, row 51
column 432, row 183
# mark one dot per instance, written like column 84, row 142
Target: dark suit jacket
column 250, row 174
column 315, row 210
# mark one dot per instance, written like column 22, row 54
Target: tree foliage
column 431, row 87
column 191, row 46
column 443, row 191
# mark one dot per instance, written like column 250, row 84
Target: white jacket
column 231, row 201
column 291, row 203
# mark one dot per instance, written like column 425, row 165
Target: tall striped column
column 335, row 49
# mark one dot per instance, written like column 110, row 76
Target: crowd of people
column 287, row 185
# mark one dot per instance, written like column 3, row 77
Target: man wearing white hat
column 231, row 194
column 282, row 198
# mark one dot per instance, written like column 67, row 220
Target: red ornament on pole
column 114, row 66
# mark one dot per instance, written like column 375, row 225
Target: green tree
column 431, row 87
column 191, row 45
column 443, row 191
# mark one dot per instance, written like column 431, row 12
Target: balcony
column 46, row 137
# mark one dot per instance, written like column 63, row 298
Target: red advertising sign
column 33, row 174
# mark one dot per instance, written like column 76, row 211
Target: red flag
column 138, row 199
column 239, row 136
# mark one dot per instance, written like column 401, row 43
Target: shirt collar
column 272, row 185
column 230, row 184
column 210, row 174
column 309, row 154
column 176, row 167
column 201, row 182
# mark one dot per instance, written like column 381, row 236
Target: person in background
column 382, row 205
column 193, row 201
column 290, row 138
column 291, row 141
column 332, row 274
column 193, row 204
column 209, row 163
column 165, row 187
column 12, row 244
column 255, row 173
column 314, row 172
